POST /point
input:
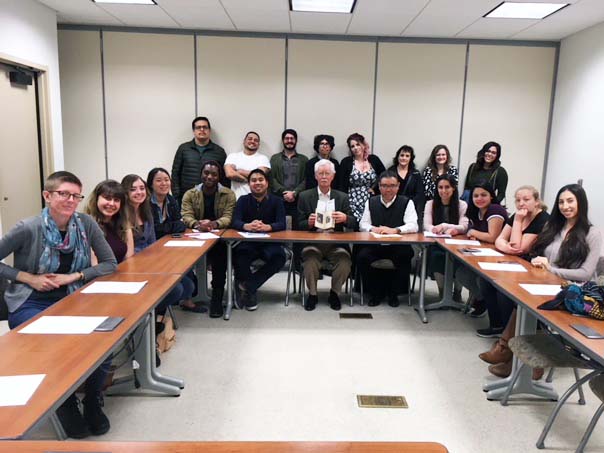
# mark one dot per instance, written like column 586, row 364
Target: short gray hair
column 324, row 163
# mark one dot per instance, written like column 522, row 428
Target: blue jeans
column 172, row 298
column 29, row 309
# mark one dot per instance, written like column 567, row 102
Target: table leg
column 526, row 324
column 229, row 307
column 422, row 286
column 202, row 281
column 147, row 377
column 447, row 300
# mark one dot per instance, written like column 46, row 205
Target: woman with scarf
column 52, row 258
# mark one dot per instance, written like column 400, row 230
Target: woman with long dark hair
column 359, row 174
column 164, row 207
column 409, row 178
column 569, row 246
column 445, row 214
column 439, row 163
column 107, row 205
column 488, row 168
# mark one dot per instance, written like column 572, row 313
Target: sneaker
column 251, row 303
column 98, row 423
column 71, row 419
column 240, row 299
column 479, row 309
column 311, row 302
column 334, row 301
column 490, row 332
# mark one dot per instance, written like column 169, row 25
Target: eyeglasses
column 202, row 128
column 64, row 195
column 389, row 186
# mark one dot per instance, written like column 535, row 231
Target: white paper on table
column 482, row 252
column 17, row 390
column 388, row 235
column 541, row 290
column 206, row 235
column 184, row 244
column 247, row 234
column 114, row 287
column 64, row 325
column 506, row 267
column 461, row 242
column 429, row 234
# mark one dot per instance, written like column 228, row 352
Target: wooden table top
column 68, row 359
column 158, row 259
column 221, row 447
column 344, row 237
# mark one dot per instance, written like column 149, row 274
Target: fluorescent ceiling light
column 322, row 6
column 128, row 2
column 514, row 10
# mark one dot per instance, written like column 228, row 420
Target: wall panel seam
column 463, row 105
column 550, row 120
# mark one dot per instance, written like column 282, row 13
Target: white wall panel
column 508, row 101
column 419, row 98
column 241, row 87
column 150, row 99
column 577, row 134
column 330, row 90
column 82, row 99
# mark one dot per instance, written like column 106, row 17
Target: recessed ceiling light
column 127, row 2
column 515, row 10
column 322, row 6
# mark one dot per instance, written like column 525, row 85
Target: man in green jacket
column 206, row 207
column 287, row 175
column 189, row 157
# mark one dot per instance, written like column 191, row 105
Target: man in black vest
column 387, row 213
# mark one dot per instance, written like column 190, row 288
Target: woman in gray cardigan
column 51, row 254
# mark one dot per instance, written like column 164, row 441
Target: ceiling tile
column 384, row 17
column 446, row 18
column 495, row 28
column 196, row 14
column 140, row 15
column 81, row 12
column 265, row 21
column 324, row 23
column 574, row 18
column 259, row 5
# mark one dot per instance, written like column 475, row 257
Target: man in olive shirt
column 288, row 173
column 190, row 156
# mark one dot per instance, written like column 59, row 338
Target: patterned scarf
column 75, row 242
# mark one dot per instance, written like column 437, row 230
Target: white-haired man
column 338, row 255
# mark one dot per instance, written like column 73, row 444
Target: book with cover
column 324, row 212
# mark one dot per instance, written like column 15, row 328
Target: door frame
column 45, row 123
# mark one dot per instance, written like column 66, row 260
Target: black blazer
column 346, row 169
column 307, row 204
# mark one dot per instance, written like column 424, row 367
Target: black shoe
column 311, row 302
column 196, row 308
column 374, row 301
column 157, row 359
column 251, row 303
column 334, row 301
column 490, row 332
column 241, row 296
column 159, row 327
column 216, row 308
column 479, row 309
column 71, row 419
column 98, row 423
column 393, row 300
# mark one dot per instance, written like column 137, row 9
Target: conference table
column 234, row 237
column 527, row 315
column 67, row 360
column 221, row 447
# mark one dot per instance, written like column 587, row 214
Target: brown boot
column 498, row 353
column 501, row 370
column 538, row 373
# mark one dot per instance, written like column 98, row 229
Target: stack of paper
column 391, row 235
column 114, row 288
column 505, row 267
column 541, row 290
column 461, row 242
column 63, row 325
column 202, row 235
column 247, row 234
column 17, row 390
column 184, row 243
column 429, row 234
